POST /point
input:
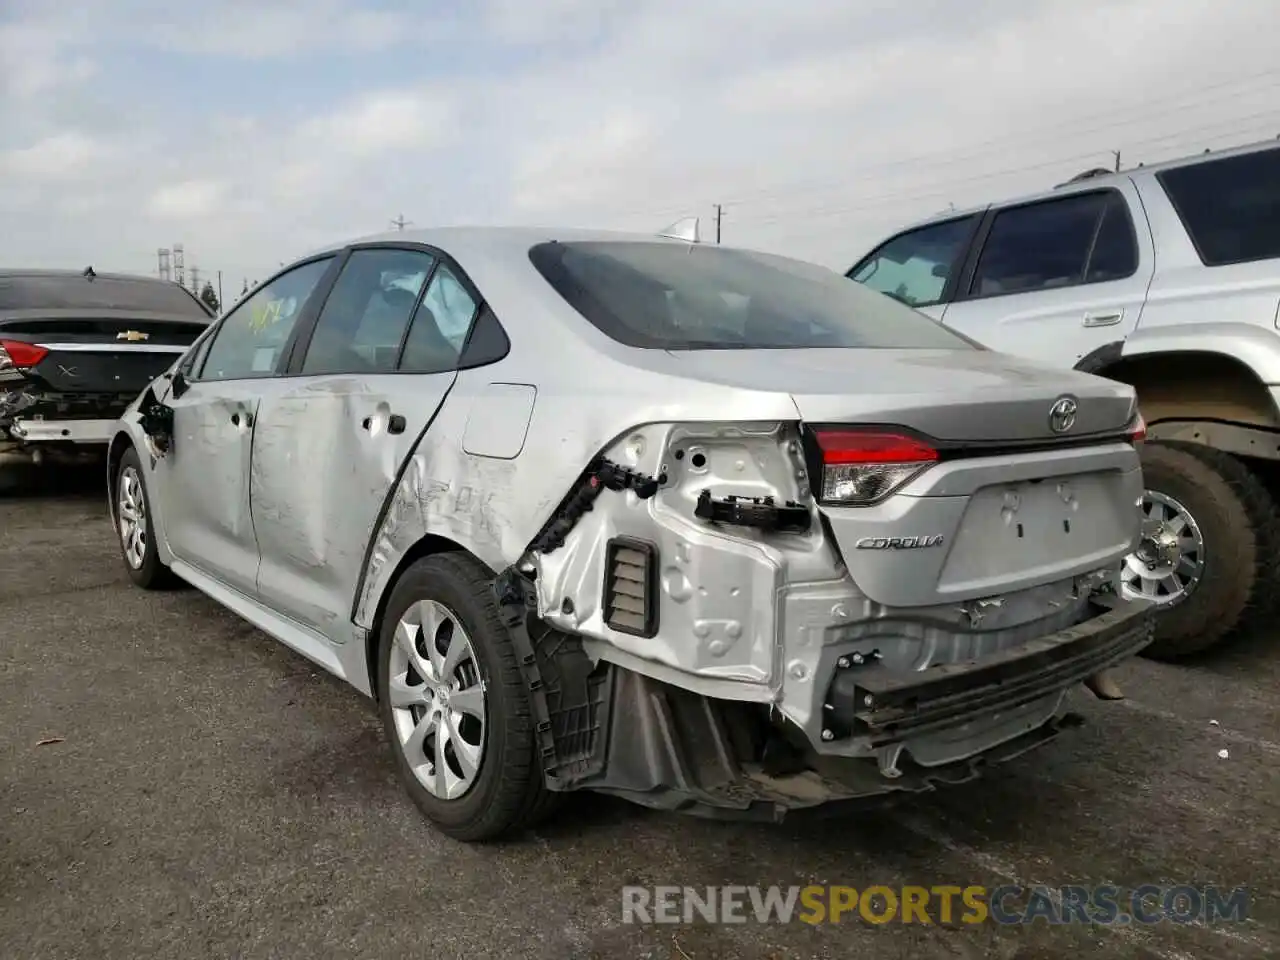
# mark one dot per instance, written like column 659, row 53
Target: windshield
column 666, row 296
column 73, row 292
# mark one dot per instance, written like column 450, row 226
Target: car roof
column 1093, row 182
column 500, row 240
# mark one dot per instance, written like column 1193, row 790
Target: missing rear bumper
column 883, row 707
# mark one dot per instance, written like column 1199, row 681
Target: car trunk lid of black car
column 115, row 353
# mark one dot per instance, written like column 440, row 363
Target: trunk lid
column 1009, row 504
column 973, row 396
column 112, row 353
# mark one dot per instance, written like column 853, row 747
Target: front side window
column 914, row 267
column 1230, row 207
column 252, row 337
column 363, row 321
column 1040, row 246
column 673, row 296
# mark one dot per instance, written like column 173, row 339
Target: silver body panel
column 287, row 499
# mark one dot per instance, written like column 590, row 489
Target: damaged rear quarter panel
column 495, row 507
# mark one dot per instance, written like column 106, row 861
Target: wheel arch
column 120, row 443
column 428, row 545
column 1189, row 385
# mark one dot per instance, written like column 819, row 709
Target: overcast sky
column 253, row 131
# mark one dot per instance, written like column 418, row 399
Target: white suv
column 1165, row 277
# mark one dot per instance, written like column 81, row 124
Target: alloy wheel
column 437, row 699
column 1169, row 563
column 131, row 507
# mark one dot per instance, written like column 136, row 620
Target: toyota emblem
column 1062, row 415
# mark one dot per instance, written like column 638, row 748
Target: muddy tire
column 135, row 532
column 1235, row 518
column 452, row 677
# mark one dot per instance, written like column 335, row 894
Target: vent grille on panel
column 630, row 582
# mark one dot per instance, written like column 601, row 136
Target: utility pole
column 195, row 280
column 178, row 273
column 1116, row 154
column 400, row 222
column 719, row 212
column 220, row 304
column 163, row 256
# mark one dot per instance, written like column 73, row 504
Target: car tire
column 134, row 529
column 507, row 790
column 1236, row 519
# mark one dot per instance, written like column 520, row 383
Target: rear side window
column 673, row 296
column 915, row 267
column 73, row 292
column 1056, row 243
column 364, row 319
column 1230, row 207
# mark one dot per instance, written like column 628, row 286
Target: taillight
column 863, row 467
column 1138, row 430
column 15, row 354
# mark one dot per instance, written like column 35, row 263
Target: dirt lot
column 214, row 795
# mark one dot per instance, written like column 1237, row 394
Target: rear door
column 1055, row 279
column 205, row 477
column 920, row 267
column 364, row 385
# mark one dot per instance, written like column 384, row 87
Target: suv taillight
column 15, row 354
column 862, row 467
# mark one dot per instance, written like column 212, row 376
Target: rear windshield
column 1230, row 207
column 102, row 293
column 669, row 296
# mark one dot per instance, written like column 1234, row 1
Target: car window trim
column 323, row 284
column 965, row 295
column 949, row 288
column 294, row 367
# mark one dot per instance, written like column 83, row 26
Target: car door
column 1055, row 279
column 205, row 487
column 920, row 267
column 375, row 368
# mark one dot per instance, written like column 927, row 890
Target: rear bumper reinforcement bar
column 64, row 431
column 887, row 706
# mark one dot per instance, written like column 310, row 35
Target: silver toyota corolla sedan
column 709, row 529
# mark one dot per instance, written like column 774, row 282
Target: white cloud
column 818, row 125
column 57, row 157
column 190, row 199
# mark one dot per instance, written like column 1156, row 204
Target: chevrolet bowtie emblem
column 133, row 336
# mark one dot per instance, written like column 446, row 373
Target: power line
column 1068, row 128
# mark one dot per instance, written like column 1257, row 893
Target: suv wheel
column 1208, row 540
column 454, row 704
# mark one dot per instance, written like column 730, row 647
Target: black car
column 76, row 347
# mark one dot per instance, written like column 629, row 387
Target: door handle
column 1105, row 318
column 396, row 424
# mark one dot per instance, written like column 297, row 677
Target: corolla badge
column 1062, row 415
column 899, row 543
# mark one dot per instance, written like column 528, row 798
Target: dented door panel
column 327, row 451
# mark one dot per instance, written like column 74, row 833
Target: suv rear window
column 1230, row 207
column 671, row 296
column 32, row 292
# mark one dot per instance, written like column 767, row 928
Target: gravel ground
column 214, row 795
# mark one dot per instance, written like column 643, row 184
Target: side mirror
column 180, row 384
